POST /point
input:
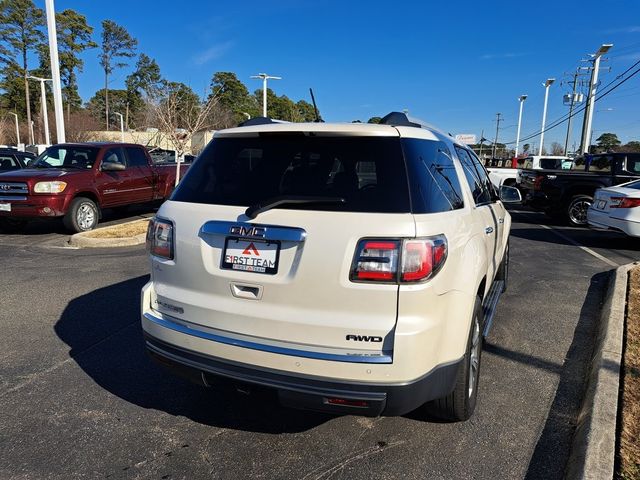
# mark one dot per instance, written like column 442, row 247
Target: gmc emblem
column 364, row 338
column 4, row 186
column 248, row 231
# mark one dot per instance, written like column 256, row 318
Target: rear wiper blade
column 269, row 203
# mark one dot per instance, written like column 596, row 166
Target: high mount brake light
column 623, row 202
column 398, row 261
column 160, row 238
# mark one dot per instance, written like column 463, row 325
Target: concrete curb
column 83, row 240
column 594, row 443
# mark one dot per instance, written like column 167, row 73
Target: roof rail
column 401, row 119
column 260, row 121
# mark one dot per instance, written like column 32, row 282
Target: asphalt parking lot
column 80, row 399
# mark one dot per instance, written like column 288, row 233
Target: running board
column 489, row 305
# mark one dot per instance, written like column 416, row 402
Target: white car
column 353, row 268
column 616, row 208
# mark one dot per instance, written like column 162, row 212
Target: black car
column 11, row 159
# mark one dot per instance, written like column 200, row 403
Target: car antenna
column 315, row 107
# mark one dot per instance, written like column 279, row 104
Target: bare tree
column 557, row 149
column 179, row 113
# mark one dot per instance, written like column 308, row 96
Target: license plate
column 255, row 256
column 5, row 207
column 601, row 204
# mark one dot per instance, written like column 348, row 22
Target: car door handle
column 501, row 220
column 488, row 230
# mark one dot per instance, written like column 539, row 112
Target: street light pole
column 43, row 101
column 121, row 125
column 55, row 70
column 521, row 99
column 495, row 143
column 17, row 128
column 264, row 78
column 546, row 86
column 591, row 100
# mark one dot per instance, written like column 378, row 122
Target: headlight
column 49, row 187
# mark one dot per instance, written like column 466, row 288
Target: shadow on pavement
column 587, row 238
column 103, row 330
column 552, row 450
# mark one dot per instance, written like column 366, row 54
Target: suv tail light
column 398, row 261
column 622, row 202
column 160, row 238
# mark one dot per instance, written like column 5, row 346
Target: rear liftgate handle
column 250, row 292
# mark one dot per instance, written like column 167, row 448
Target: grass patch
column 125, row 230
column 629, row 432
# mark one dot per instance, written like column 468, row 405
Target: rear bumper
column 306, row 392
column 603, row 221
column 536, row 200
column 37, row 206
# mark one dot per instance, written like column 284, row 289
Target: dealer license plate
column 5, row 207
column 255, row 256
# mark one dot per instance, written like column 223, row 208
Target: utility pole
column 573, row 100
column 521, row 99
column 546, row 86
column 591, row 100
column 495, row 143
column 264, row 78
column 43, row 101
column 55, row 70
column 17, row 128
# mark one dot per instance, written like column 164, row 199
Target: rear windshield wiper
column 273, row 202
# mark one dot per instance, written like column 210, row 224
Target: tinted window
column 633, row 163
column 474, row 179
column 136, row 157
column 368, row 172
column 483, row 174
column 434, row 182
column 551, row 163
column 601, row 163
column 114, row 155
column 7, row 162
column 67, row 157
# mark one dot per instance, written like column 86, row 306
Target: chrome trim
column 14, row 187
column 271, row 232
column 10, row 198
column 384, row 357
column 488, row 230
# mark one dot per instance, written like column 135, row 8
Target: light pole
column 546, row 86
column 521, row 99
column 55, row 70
column 264, row 78
column 17, row 128
column 591, row 100
column 43, row 101
column 495, row 142
column 121, row 125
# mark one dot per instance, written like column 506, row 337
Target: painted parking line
column 582, row 247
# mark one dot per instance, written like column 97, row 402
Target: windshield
column 368, row 172
column 80, row 157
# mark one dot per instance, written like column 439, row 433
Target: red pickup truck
column 76, row 181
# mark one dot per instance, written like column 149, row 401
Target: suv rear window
column 368, row 172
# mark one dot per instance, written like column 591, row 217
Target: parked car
column 12, row 159
column 353, row 268
column 75, row 181
column 568, row 194
column 616, row 208
column 507, row 173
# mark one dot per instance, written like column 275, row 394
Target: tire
column 503, row 269
column 576, row 211
column 460, row 404
column 82, row 215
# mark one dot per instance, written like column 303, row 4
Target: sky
column 453, row 64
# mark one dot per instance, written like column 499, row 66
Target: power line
column 566, row 117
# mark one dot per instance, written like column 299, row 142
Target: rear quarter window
column 368, row 172
column 435, row 186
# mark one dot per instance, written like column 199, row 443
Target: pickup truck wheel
column 82, row 215
column 460, row 404
column 577, row 210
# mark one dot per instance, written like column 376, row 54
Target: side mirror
column 113, row 167
column 510, row 194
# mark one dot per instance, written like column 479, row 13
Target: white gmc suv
column 353, row 268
